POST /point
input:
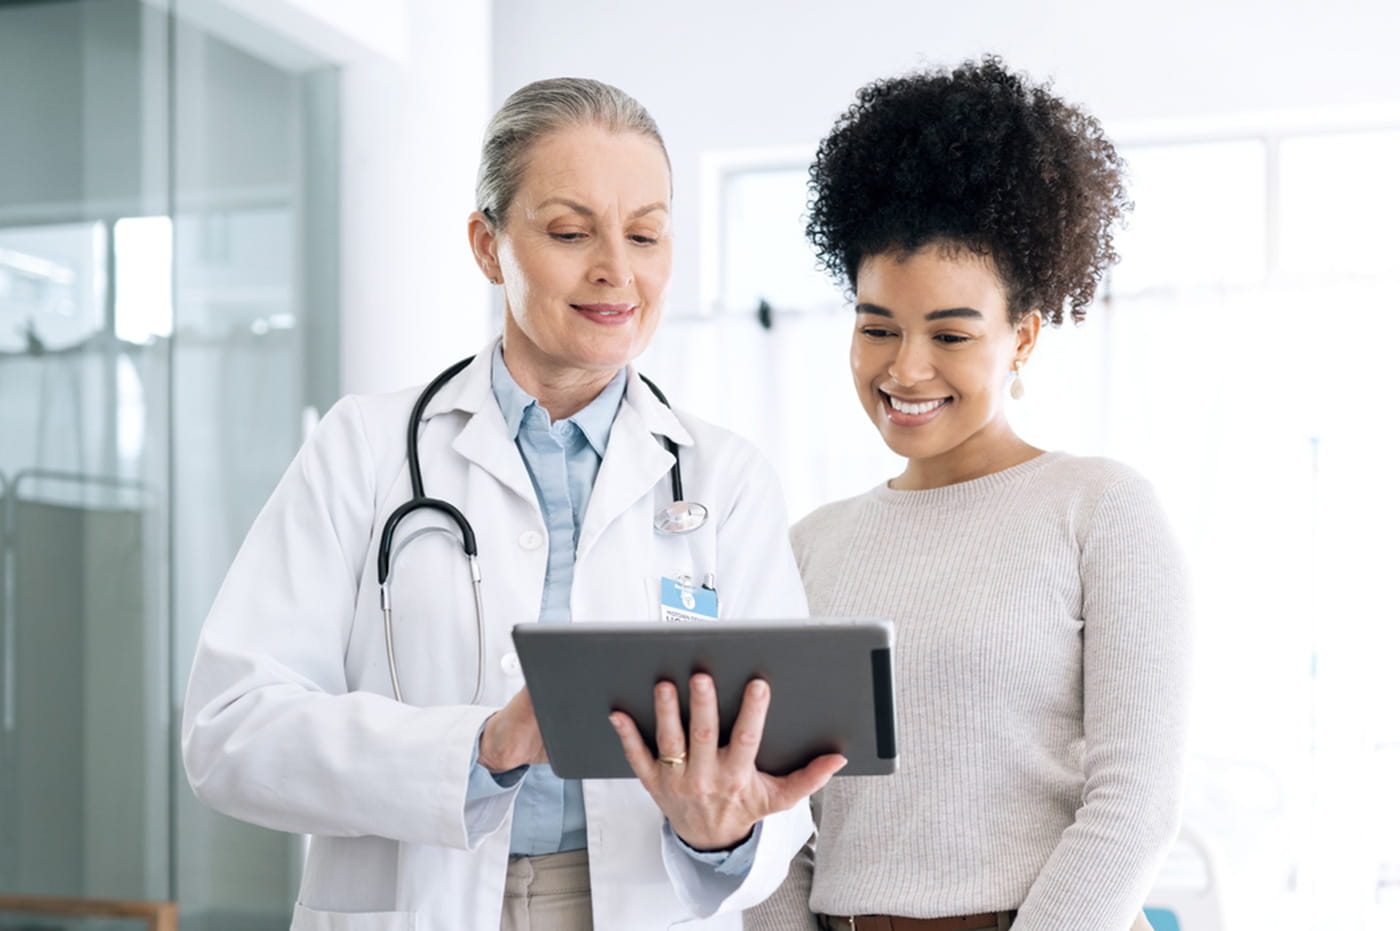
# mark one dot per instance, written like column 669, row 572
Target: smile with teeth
column 915, row 407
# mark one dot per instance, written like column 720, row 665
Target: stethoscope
column 680, row 516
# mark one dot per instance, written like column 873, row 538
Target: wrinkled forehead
column 601, row 170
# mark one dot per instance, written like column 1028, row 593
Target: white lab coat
column 289, row 719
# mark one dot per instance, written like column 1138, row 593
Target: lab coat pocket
column 310, row 919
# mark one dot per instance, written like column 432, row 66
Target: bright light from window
column 1199, row 219
column 143, row 259
column 1339, row 196
column 765, row 253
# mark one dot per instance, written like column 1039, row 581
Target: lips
column 912, row 412
column 606, row 314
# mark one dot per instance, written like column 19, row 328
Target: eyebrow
column 589, row 212
column 878, row 311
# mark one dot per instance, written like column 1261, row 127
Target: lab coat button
column 531, row 539
column 510, row 664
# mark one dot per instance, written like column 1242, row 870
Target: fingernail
column 615, row 720
column 760, row 689
column 701, row 683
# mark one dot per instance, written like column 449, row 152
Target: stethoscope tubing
column 418, row 501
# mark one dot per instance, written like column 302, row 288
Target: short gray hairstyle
column 538, row 109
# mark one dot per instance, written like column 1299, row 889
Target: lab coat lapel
column 635, row 460
column 483, row 441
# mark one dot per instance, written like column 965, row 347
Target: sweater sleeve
column 1136, row 650
column 787, row 909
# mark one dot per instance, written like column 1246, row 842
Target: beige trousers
column 548, row 893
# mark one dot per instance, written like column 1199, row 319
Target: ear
column 1027, row 332
column 481, row 233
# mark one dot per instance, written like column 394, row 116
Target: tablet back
column 832, row 689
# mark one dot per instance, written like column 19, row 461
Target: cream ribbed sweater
column 1041, row 665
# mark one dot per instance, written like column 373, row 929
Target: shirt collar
column 595, row 421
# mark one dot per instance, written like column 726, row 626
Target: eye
column 875, row 332
column 642, row 239
column 568, row 237
column 951, row 338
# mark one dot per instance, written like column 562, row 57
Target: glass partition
column 166, row 196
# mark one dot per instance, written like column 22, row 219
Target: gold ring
column 672, row 760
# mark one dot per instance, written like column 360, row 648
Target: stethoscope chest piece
column 681, row 517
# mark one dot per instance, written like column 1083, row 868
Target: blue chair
column 1162, row 919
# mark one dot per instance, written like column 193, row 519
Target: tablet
column 832, row 687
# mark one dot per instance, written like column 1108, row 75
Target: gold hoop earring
column 1018, row 387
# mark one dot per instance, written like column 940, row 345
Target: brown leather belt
column 896, row 923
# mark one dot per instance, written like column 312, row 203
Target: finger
column 670, row 736
column 704, row 721
column 748, row 726
column 795, row 786
column 635, row 749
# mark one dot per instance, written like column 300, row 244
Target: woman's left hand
column 712, row 795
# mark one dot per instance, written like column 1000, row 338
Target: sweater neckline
column 971, row 488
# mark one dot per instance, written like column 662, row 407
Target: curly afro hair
column 979, row 159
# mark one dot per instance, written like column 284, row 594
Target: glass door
column 167, row 320
column 84, row 673
column 254, row 357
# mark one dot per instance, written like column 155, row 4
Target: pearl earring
column 1018, row 388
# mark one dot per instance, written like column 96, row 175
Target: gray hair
column 538, row 109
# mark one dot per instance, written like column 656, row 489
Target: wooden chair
column 159, row 916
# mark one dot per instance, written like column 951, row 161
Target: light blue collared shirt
column 563, row 459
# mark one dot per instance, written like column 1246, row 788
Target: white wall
column 411, row 298
column 741, row 73
column 414, row 95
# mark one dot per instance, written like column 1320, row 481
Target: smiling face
column 584, row 254
column 930, row 355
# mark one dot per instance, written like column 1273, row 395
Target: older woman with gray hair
column 401, row 739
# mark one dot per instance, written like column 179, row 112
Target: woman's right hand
column 511, row 737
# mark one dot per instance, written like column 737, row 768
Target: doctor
column 438, row 810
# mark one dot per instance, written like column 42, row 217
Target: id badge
column 683, row 600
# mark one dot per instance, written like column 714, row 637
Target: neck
column 560, row 390
column 978, row 457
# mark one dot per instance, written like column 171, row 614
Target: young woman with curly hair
column 1039, row 601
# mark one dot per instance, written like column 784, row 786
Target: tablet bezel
column 832, row 687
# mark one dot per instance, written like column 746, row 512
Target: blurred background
column 217, row 216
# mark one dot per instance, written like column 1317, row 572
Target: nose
column 912, row 362
column 611, row 265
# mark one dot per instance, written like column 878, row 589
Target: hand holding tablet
column 722, row 722
column 712, row 795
